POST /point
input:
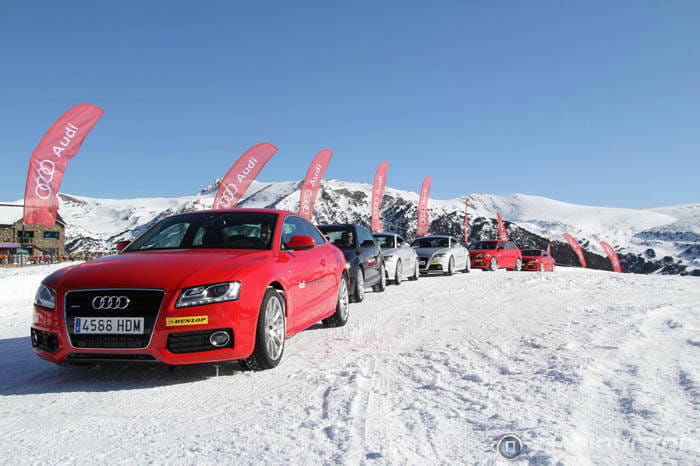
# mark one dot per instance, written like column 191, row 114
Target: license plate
column 108, row 325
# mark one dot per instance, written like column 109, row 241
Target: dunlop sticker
column 190, row 320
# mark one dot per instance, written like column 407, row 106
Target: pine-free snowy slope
column 585, row 366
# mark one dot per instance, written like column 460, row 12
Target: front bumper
column 480, row 262
column 174, row 339
column 430, row 265
column 532, row 266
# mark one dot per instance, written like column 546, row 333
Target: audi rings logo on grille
column 110, row 302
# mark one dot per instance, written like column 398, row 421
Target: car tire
column 270, row 333
column 342, row 306
column 358, row 293
column 399, row 273
column 518, row 265
column 467, row 267
column 450, row 266
column 493, row 266
column 416, row 272
column 553, row 268
column 381, row 284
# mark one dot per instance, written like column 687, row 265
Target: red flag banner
column 49, row 162
column 378, row 188
column 612, row 255
column 423, row 220
column 234, row 185
column 577, row 249
column 312, row 183
column 502, row 233
column 466, row 220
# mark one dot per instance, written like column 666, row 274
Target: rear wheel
column 342, row 307
column 381, row 284
column 270, row 334
column 399, row 273
column 358, row 293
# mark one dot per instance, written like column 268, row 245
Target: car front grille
column 142, row 303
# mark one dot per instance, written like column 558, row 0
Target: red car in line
column 198, row 287
column 538, row 260
column 495, row 254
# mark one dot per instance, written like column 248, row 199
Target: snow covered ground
column 586, row 367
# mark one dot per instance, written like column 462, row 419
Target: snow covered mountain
column 660, row 240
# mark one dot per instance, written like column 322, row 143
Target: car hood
column 389, row 251
column 490, row 252
column 532, row 257
column 164, row 269
column 428, row 252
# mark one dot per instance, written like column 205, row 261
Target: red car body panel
column 542, row 261
column 309, row 280
column 505, row 258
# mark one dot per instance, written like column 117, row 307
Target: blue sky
column 587, row 102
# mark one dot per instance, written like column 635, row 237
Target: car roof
column 262, row 211
column 434, row 236
column 343, row 225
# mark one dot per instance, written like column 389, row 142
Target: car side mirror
column 300, row 242
column 500, row 248
column 121, row 245
column 368, row 243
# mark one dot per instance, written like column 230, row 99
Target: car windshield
column 209, row 230
column 384, row 241
column 430, row 243
column 341, row 237
column 531, row 252
column 484, row 245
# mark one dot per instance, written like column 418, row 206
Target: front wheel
column 416, row 272
column 270, row 334
column 518, row 265
column 494, row 265
column 381, row 284
column 342, row 307
column 399, row 273
column 358, row 293
column 450, row 266
column 467, row 267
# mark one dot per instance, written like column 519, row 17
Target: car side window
column 313, row 232
column 364, row 235
column 400, row 241
column 293, row 226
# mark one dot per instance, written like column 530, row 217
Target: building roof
column 10, row 214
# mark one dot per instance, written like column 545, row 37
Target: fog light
column 219, row 339
column 35, row 338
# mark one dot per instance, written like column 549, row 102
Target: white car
column 441, row 254
column 400, row 260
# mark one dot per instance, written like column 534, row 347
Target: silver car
column 400, row 260
column 441, row 254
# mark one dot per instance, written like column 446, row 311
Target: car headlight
column 439, row 256
column 482, row 255
column 45, row 297
column 209, row 294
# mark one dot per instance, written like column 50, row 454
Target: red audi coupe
column 198, row 287
column 537, row 260
column 492, row 255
